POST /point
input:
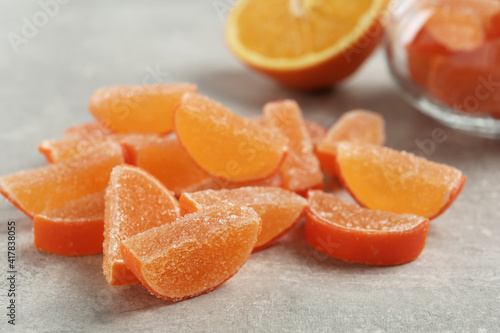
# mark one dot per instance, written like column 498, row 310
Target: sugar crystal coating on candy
column 73, row 229
column 86, row 130
column 279, row 209
column 224, row 144
column 194, row 254
column 135, row 202
column 400, row 182
column 138, row 109
column 351, row 233
column 355, row 126
column 300, row 170
column 165, row 159
column 42, row 189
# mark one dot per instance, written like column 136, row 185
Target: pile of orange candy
column 459, row 46
column 177, row 191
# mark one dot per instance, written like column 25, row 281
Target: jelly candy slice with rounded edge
column 226, row 145
column 75, row 229
column 138, row 109
column 46, row 188
column 348, row 232
column 279, row 209
column 135, row 202
column 399, row 182
column 194, row 254
column 355, row 126
column 300, row 170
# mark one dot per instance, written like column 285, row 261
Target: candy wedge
column 399, row 182
column 280, row 210
column 46, row 188
column 138, row 109
column 300, row 170
column 195, row 254
column 224, row 144
column 135, row 202
column 355, row 126
column 86, row 130
column 74, row 229
column 348, row 232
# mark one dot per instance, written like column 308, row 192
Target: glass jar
column 445, row 56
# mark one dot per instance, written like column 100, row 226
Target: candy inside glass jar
column 445, row 55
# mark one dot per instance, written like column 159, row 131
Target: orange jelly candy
column 138, row 109
column 347, row 232
column 421, row 53
column 86, row 130
column 224, row 144
column 56, row 151
column 165, row 159
column 355, row 126
column 474, row 77
column 195, row 254
column 75, row 229
column 399, row 182
column 300, row 170
column 316, row 131
column 135, row 202
column 46, row 188
column 279, row 209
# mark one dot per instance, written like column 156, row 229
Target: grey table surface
column 47, row 75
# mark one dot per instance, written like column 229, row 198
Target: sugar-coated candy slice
column 86, row 130
column 58, row 150
column 138, row 109
column 135, row 202
column 224, row 144
column 300, row 170
column 348, row 232
column 194, row 254
column 46, row 188
column 74, row 229
column 279, row 209
column 165, row 159
column 355, row 126
column 399, row 182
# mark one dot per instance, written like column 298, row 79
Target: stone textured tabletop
column 54, row 56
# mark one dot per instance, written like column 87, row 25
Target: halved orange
column 399, row 182
column 46, row 188
column 226, row 145
column 300, row 170
column 348, row 232
column 75, row 229
column 355, row 126
column 138, row 109
column 280, row 210
column 305, row 44
column 194, row 254
column 135, row 202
